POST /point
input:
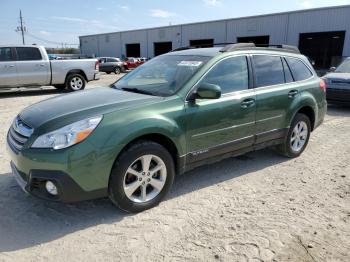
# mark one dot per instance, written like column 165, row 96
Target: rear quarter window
column 299, row 70
column 268, row 70
column 28, row 53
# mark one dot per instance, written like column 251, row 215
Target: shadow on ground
column 26, row 221
column 22, row 92
column 338, row 110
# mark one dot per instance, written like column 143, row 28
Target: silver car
column 112, row 65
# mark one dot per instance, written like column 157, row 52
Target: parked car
column 23, row 66
column 112, row 64
column 338, row 83
column 176, row 112
column 132, row 63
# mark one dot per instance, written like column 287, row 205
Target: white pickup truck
column 22, row 66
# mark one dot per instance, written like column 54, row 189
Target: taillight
column 323, row 85
column 97, row 66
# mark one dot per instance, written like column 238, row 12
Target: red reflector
column 323, row 85
column 97, row 65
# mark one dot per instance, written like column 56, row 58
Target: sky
column 56, row 22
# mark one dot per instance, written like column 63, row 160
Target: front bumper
column 68, row 190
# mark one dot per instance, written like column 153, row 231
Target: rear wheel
column 297, row 138
column 141, row 177
column 75, row 82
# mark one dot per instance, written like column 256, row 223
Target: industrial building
column 323, row 34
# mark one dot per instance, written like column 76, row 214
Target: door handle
column 292, row 93
column 41, row 65
column 9, row 66
column 247, row 103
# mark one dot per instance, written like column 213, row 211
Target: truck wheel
column 141, row 177
column 117, row 70
column 75, row 82
column 297, row 138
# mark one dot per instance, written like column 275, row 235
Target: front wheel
column 117, row 70
column 75, row 82
column 297, row 138
column 141, row 177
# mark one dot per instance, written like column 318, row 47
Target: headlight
column 68, row 135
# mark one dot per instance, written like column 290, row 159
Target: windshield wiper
column 136, row 90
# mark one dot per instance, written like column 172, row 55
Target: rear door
column 31, row 67
column 276, row 95
column 8, row 69
column 226, row 124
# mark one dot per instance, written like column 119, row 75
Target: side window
column 5, row 54
column 28, row 53
column 287, row 74
column 230, row 74
column 268, row 70
column 299, row 69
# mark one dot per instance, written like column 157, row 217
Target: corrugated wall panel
column 209, row 30
column 109, row 45
column 167, row 34
column 135, row 37
column 282, row 28
column 333, row 19
column 274, row 26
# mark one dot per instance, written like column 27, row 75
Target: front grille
column 18, row 134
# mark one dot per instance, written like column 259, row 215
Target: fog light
column 51, row 188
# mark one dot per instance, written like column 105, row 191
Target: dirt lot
column 258, row 207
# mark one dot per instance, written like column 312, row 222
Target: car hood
column 83, row 104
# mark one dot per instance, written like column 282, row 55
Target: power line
column 49, row 41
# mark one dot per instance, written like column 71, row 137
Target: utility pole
column 21, row 28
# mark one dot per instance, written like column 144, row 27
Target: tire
column 117, row 70
column 290, row 146
column 133, row 200
column 60, row 87
column 75, row 82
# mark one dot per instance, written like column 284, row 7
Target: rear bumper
column 68, row 190
column 338, row 96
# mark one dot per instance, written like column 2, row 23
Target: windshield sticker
column 190, row 63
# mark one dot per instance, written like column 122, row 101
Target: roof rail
column 230, row 47
column 234, row 47
column 291, row 48
column 240, row 46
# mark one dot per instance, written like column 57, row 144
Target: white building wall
column 282, row 28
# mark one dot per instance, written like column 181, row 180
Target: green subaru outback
column 174, row 113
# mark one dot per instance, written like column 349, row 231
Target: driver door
column 226, row 124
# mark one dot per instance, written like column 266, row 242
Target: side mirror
column 332, row 69
column 207, row 91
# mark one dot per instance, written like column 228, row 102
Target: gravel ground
column 257, row 207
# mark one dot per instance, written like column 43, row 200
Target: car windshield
column 344, row 67
column 163, row 75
